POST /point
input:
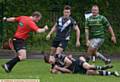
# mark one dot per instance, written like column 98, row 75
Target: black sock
column 12, row 63
column 105, row 73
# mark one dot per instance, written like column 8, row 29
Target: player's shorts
column 18, row 44
column 77, row 67
column 96, row 42
column 59, row 43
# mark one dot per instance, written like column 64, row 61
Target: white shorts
column 96, row 42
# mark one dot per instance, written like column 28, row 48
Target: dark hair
column 67, row 7
column 46, row 58
column 37, row 14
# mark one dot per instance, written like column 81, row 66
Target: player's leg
column 99, row 55
column 82, row 58
column 103, row 73
column 91, row 50
column 98, row 44
column 61, row 47
column 55, row 44
column 59, row 50
column 92, row 72
column 10, row 64
column 95, row 67
column 19, row 46
column 94, row 45
column 52, row 51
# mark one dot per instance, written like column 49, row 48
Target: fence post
column 1, row 23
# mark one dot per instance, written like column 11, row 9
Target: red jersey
column 25, row 25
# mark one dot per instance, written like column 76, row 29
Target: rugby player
column 77, row 66
column 95, row 27
column 63, row 28
column 26, row 24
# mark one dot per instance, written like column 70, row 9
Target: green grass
column 37, row 69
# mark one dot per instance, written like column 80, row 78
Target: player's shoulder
column 72, row 19
column 60, row 18
column 23, row 16
column 102, row 16
column 20, row 18
column 90, row 17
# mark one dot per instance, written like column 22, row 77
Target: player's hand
column 113, row 38
column 3, row 19
column 46, row 27
column 87, row 43
column 78, row 44
column 48, row 37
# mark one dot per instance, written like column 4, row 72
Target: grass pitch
column 37, row 69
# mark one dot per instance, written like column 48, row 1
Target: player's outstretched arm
column 11, row 19
column 62, row 69
column 42, row 29
column 52, row 30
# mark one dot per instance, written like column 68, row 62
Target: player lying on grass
column 67, row 64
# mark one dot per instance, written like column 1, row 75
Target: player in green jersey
column 95, row 27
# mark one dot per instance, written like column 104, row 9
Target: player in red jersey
column 26, row 24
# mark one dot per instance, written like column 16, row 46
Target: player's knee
column 86, row 66
column 91, row 51
column 22, row 57
column 22, row 54
column 82, row 59
column 59, row 50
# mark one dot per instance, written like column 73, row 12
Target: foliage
column 51, row 10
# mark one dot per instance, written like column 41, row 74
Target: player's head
column 67, row 11
column 95, row 10
column 49, row 59
column 36, row 16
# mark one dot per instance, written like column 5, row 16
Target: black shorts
column 78, row 67
column 18, row 44
column 59, row 43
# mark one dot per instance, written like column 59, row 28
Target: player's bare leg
column 103, row 73
column 59, row 50
column 10, row 64
column 95, row 67
column 53, row 51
